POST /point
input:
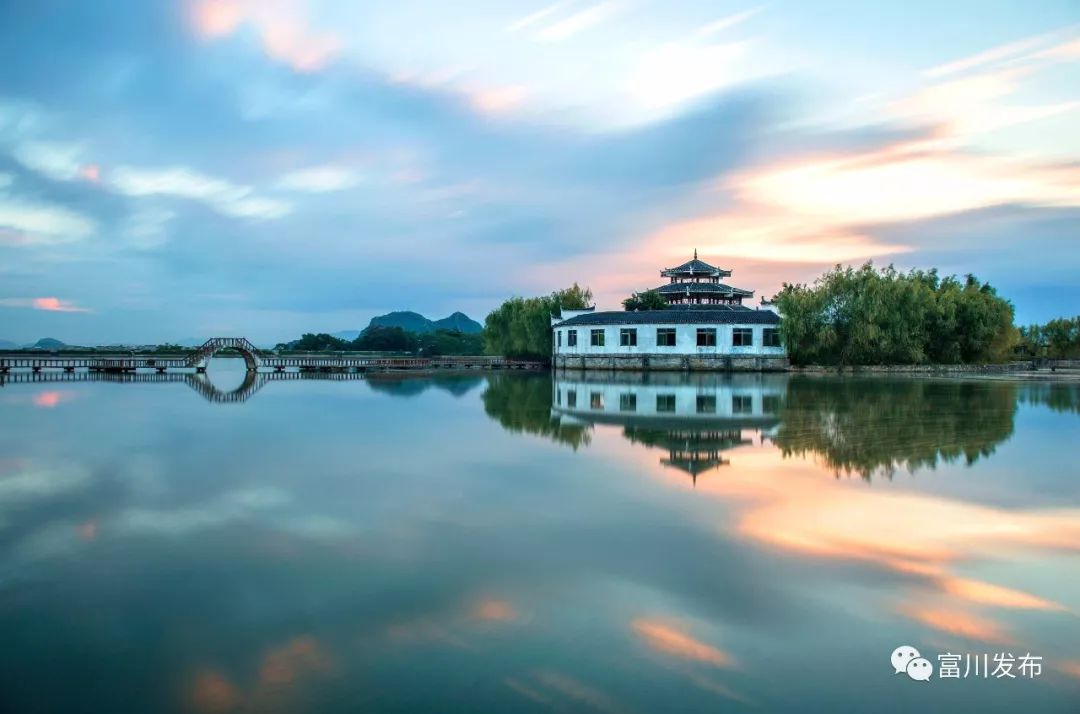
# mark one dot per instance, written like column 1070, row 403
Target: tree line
column 865, row 316
column 520, row 328
column 391, row 339
column 1057, row 339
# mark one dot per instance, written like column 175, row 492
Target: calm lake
column 501, row 542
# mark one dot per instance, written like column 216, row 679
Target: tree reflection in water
column 869, row 426
column 854, row 426
column 522, row 404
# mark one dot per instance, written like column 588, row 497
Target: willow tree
column 855, row 316
column 521, row 327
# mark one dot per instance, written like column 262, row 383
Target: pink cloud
column 50, row 304
column 281, row 25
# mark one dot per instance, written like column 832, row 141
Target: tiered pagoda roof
column 696, row 282
column 695, row 268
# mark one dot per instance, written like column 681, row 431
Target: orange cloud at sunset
column 49, row 304
column 493, row 610
column 56, row 305
column 905, row 182
column 665, row 638
column 958, row 622
column 802, row 509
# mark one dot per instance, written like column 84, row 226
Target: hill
column 48, row 343
column 8, row 345
column 461, row 322
column 416, row 323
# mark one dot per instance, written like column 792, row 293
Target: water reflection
column 397, row 543
column 865, row 427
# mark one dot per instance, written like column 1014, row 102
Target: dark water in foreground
column 494, row 544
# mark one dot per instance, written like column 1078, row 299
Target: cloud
column 320, row 179
column 533, row 18
column 49, row 304
column 666, row 638
column 726, row 23
column 578, row 22
column 1037, row 47
column 222, row 195
column 33, row 222
column 677, row 72
column 283, row 29
column 60, row 162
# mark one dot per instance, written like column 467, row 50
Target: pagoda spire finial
column 695, row 253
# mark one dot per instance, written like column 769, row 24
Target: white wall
column 754, row 400
column 685, row 341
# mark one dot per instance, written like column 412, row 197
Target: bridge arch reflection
column 198, row 382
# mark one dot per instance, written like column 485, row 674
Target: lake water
column 510, row 542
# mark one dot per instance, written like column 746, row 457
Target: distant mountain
column 48, row 343
column 8, row 345
column 415, row 322
column 406, row 320
column 347, row 335
column 461, row 322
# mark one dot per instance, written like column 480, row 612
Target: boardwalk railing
column 254, row 359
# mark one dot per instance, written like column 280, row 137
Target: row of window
column 665, row 337
column 665, row 403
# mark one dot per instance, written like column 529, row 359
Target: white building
column 704, row 327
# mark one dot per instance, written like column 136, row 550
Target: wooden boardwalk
column 255, row 361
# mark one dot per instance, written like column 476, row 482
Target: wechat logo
column 907, row 660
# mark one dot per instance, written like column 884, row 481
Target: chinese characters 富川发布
column 1001, row 665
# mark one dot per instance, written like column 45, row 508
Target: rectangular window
column 770, row 337
column 596, row 338
column 596, row 400
column 706, row 404
column 628, row 337
column 558, row 397
column 665, row 337
column 571, row 338
column 665, row 402
column 770, row 404
column 571, row 398
column 706, row 337
column 742, row 337
column 742, row 404
column 628, row 402
column 558, row 338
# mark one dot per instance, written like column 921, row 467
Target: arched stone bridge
column 254, row 359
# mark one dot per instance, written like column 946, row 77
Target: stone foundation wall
column 681, row 363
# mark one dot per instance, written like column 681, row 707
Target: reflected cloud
column 51, row 398
column 493, row 610
column 954, row 621
column 666, row 638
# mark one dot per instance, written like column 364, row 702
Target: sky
column 180, row 169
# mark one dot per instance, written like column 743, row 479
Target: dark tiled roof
column 695, row 267
column 700, row 288
column 714, row 314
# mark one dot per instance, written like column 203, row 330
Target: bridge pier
column 36, row 369
column 69, row 369
column 200, row 370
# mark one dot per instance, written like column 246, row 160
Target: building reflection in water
column 865, row 427
column 696, row 417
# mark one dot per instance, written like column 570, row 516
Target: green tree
column 646, row 300
column 1057, row 339
column 385, row 339
column 521, row 327
column 858, row 316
